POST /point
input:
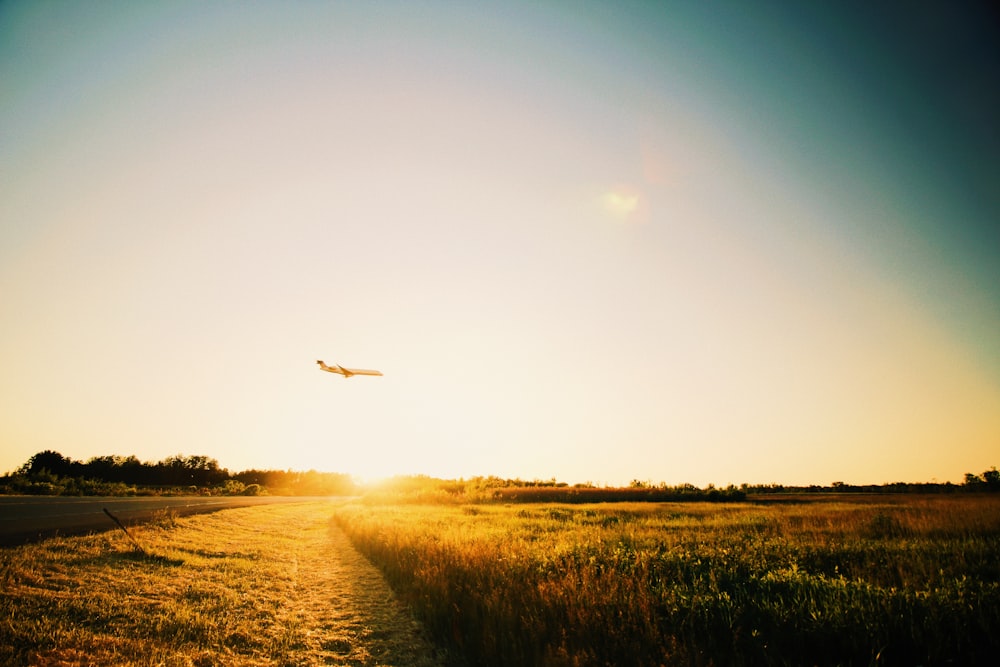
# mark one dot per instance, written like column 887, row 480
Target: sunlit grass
column 268, row 585
column 913, row 582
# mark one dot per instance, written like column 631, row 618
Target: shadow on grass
column 151, row 559
column 214, row 555
column 132, row 556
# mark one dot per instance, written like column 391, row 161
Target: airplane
column 346, row 372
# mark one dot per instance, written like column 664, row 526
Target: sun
column 621, row 203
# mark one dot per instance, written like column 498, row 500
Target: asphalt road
column 29, row 518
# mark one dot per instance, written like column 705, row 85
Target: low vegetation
column 268, row 585
column 422, row 489
column 902, row 580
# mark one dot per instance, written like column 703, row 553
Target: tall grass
column 697, row 583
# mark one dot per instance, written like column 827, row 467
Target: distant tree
column 180, row 470
column 113, row 469
column 972, row 480
column 988, row 481
column 50, row 461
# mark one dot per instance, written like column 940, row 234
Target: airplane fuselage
column 346, row 372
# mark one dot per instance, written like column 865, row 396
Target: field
column 271, row 585
column 898, row 580
column 893, row 580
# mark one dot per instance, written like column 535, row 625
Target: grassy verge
column 273, row 585
column 826, row 583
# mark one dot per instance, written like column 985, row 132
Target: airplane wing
column 360, row 371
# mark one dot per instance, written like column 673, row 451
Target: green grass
column 828, row 583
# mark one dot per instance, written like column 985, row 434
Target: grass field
column 894, row 580
column 271, row 585
column 897, row 581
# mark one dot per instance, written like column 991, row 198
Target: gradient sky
column 680, row 242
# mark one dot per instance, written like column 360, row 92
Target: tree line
column 50, row 473
column 424, row 489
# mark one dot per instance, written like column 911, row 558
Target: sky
column 675, row 242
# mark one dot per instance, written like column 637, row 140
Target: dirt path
column 349, row 614
column 274, row 585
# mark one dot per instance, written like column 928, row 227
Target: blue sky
column 660, row 241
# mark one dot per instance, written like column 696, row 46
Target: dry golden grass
column 274, row 585
column 846, row 581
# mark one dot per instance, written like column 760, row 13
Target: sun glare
column 620, row 203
